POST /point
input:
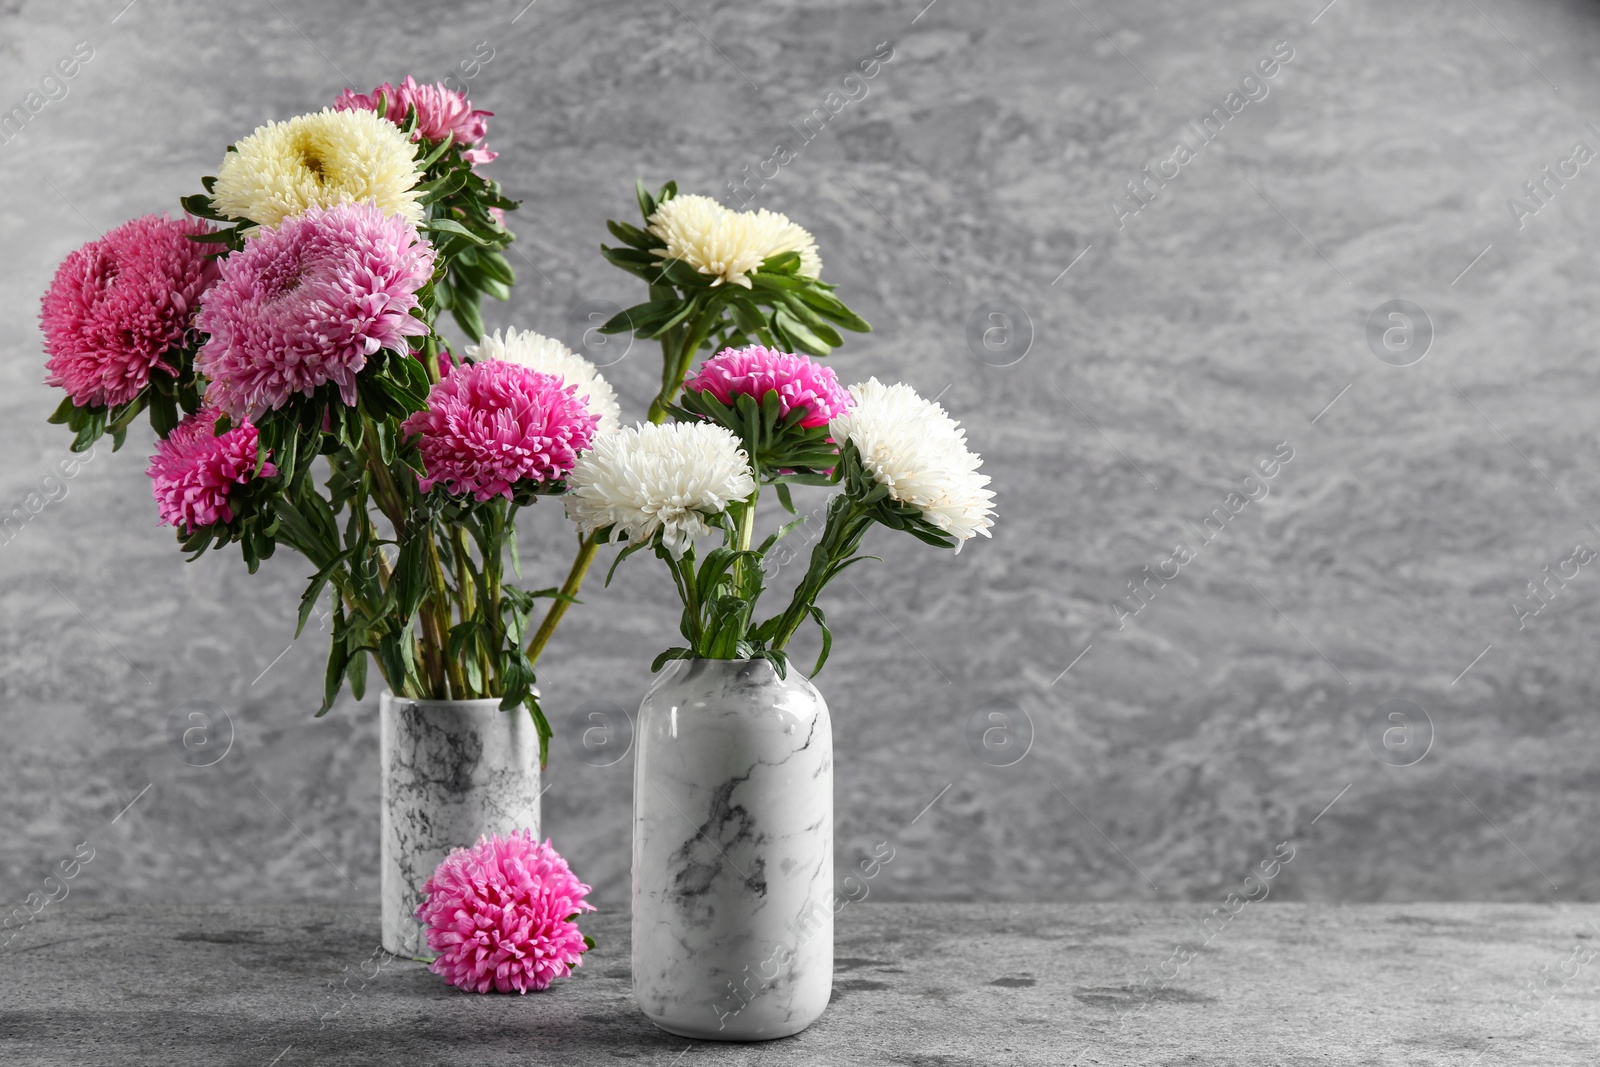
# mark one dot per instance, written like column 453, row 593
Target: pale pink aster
column 194, row 470
column 491, row 425
column 307, row 303
column 501, row 915
column 119, row 307
column 755, row 371
column 441, row 113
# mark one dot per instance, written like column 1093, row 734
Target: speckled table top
column 1270, row 984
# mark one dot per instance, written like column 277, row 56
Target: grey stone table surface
column 945, row 984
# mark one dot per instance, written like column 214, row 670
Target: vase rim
column 697, row 666
column 471, row 702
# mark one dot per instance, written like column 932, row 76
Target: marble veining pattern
column 732, row 852
column 451, row 771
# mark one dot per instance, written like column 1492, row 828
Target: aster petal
column 525, row 939
column 307, row 302
column 193, row 470
column 319, row 160
column 911, row 446
column 118, row 306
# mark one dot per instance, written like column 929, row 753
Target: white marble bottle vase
column 452, row 771
column 732, row 852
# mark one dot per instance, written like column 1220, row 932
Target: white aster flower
column 646, row 478
column 318, row 160
column 549, row 356
column 920, row 453
column 726, row 244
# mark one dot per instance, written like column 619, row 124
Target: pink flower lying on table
column 501, row 915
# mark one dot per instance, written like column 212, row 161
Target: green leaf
column 632, row 235
column 466, row 314
column 827, row 639
column 782, row 263
column 64, row 413
column 338, row 659
column 780, row 283
column 497, row 267
column 213, row 237
column 628, row 550
column 411, row 574
column 438, row 151
column 442, row 187
column 668, row 656
column 800, row 333
column 444, row 297
column 455, row 229
column 164, row 416
column 357, row 673
column 830, row 307
column 308, row 599
column 647, row 203
column 802, row 311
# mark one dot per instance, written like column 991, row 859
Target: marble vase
column 452, row 770
column 732, row 852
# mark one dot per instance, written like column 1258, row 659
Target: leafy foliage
column 685, row 312
column 415, row 581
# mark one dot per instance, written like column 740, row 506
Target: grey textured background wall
column 1186, row 342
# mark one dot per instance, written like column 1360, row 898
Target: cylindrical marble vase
column 452, row 771
column 732, row 852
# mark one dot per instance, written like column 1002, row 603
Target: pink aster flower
column 441, row 113
column 500, row 914
column 307, row 303
column 491, row 425
column 118, row 306
column 193, row 470
column 756, row 371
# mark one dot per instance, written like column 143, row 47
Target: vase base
column 734, row 1033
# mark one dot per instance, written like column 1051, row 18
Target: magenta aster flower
column 441, row 113
column 756, row 371
column 118, row 306
column 193, row 470
column 307, row 303
column 500, row 914
column 490, row 425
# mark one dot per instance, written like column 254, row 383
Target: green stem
column 467, row 601
column 676, row 357
column 745, row 533
column 499, row 526
column 439, row 604
column 669, row 365
column 747, row 519
column 558, row 607
column 385, row 490
column 847, row 524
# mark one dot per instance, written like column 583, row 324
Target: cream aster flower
column 646, row 478
column 319, row 160
column 920, row 453
column 549, row 356
column 729, row 245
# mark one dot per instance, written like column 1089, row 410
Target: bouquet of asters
column 283, row 340
column 752, row 418
column 747, row 286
